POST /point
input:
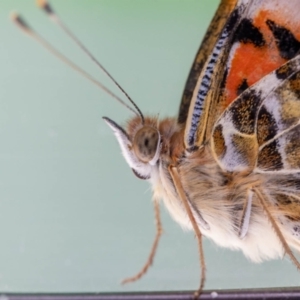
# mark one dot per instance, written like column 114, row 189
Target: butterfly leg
column 277, row 230
column 245, row 221
column 178, row 186
column 151, row 256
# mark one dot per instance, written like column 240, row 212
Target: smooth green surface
column 73, row 216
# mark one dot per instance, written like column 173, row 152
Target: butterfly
column 228, row 166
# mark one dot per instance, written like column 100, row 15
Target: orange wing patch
column 249, row 62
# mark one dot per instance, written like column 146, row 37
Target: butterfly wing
column 260, row 130
column 259, row 36
column 211, row 36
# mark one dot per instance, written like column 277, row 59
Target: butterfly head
column 140, row 144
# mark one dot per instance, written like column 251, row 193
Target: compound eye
column 145, row 143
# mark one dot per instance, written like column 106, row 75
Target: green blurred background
column 73, row 216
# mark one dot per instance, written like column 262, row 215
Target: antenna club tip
column 13, row 16
column 20, row 22
column 41, row 3
column 45, row 5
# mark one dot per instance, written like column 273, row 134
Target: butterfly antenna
column 22, row 24
column 43, row 4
